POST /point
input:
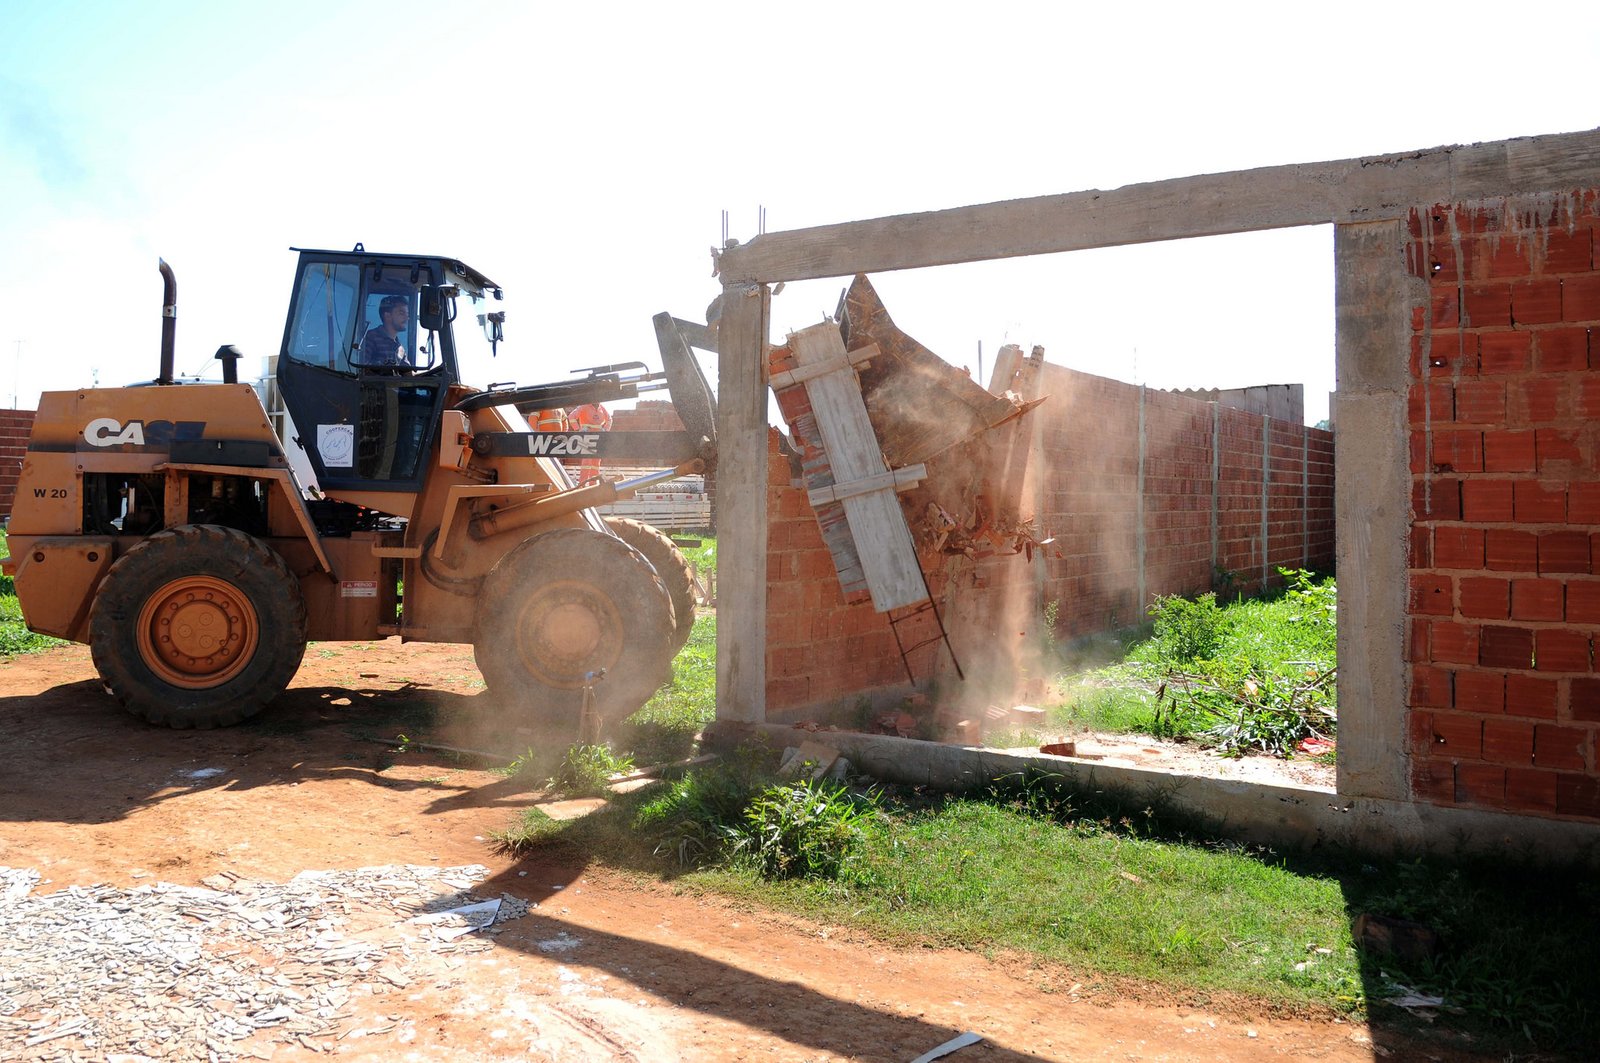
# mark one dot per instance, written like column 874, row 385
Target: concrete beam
column 1272, row 197
column 1297, row 816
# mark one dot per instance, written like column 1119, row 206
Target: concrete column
column 742, row 503
column 1373, row 295
column 1139, row 530
column 1216, row 481
column 1266, row 498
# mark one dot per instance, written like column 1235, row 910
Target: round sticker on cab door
column 336, row 443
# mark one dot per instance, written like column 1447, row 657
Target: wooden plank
column 791, row 377
column 1271, row 197
column 888, row 554
column 893, row 480
column 742, row 503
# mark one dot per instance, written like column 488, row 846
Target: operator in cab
column 382, row 347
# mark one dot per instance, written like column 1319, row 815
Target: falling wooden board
column 877, row 524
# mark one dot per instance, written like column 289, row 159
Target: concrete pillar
column 1373, row 296
column 742, row 503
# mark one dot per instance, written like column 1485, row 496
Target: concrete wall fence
column 1504, row 428
column 15, row 427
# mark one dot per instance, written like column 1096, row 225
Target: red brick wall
column 1504, row 599
column 1092, row 503
column 15, row 426
column 1082, row 450
column 650, row 415
column 819, row 649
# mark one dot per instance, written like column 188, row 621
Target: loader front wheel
column 670, row 564
column 198, row 626
column 565, row 605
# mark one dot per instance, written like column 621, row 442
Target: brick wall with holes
column 1504, row 421
column 650, row 415
column 822, row 647
column 1228, row 498
column 15, row 427
column 1087, row 465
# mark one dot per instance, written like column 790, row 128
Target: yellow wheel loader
column 165, row 524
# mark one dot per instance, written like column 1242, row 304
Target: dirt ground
column 605, row 967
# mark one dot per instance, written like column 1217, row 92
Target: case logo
column 109, row 432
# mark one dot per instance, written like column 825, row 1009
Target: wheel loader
column 165, row 524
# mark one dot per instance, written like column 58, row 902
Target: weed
column 585, row 771
column 1187, row 630
column 531, row 827
column 804, row 829
column 695, row 819
column 1052, row 615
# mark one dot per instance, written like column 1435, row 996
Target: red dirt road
column 605, row 968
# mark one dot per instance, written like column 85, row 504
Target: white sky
column 582, row 155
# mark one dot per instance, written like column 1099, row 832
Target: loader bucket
column 949, row 407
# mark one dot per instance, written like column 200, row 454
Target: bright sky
column 582, row 156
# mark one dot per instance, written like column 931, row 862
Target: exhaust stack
column 169, row 320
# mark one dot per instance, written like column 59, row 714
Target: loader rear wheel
column 670, row 564
column 566, row 604
column 198, row 626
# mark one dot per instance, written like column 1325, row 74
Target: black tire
column 567, row 603
column 242, row 620
column 670, row 565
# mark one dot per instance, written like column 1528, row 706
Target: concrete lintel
column 1306, row 817
column 1271, row 197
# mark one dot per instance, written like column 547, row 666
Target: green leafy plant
column 585, row 771
column 696, row 818
column 804, row 829
column 1187, row 629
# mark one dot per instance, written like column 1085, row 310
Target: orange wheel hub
column 567, row 629
column 197, row 632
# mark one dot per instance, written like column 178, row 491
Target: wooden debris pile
column 979, row 534
column 219, row 973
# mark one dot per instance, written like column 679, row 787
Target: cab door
column 365, row 394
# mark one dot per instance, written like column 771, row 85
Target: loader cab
column 367, row 358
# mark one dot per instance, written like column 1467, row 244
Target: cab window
column 324, row 316
column 388, row 337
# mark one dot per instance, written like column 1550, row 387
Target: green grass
column 1255, row 676
column 14, row 634
column 665, row 727
column 703, row 557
